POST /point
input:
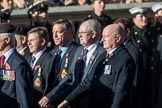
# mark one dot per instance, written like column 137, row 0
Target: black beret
column 6, row 28
column 21, row 30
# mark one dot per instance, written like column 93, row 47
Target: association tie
column 2, row 59
column 85, row 55
column 32, row 61
column 85, row 51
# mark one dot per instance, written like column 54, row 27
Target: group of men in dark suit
column 109, row 68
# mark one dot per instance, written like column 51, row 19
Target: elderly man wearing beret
column 15, row 74
column 21, row 41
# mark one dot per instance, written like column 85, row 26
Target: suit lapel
column 38, row 63
column 91, row 61
column 54, row 53
column 66, row 56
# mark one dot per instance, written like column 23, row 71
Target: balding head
column 113, row 36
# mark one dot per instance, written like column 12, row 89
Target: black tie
column 32, row 61
column 58, row 61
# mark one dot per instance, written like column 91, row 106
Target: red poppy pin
column 111, row 55
column 36, row 67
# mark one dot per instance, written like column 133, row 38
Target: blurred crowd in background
column 20, row 4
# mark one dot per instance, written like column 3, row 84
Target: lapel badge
column 81, row 53
column 7, row 66
column 36, row 67
column 110, row 55
column 79, row 60
column 63, row 74
column 67, row 55
column 66, row 62
column 37, row 82
column 136, row 33
column 92, row 58
column 39, row 71
column 55, row 53
column 107, row 69
column 106, row 60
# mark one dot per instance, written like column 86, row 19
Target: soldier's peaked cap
column 39, row 5
column 155, row 8
column 137, row 10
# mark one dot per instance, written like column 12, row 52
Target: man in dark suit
column 89, row 35
column 39, row 62
column 63, row 54
column 133, row 50
column 21, row 41
column 15, row 73
column 110, row 77
column 113, row 78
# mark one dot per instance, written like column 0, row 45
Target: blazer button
column 152, row 67
column 152, row 58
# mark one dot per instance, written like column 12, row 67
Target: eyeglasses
column 88, row 32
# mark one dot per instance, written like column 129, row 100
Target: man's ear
column 94, row 34
column 43, row 42
column 7, row 40
column 118, row 38
column 23, row 39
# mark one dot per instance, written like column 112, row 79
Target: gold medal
column 37, row 82
column 63, row 73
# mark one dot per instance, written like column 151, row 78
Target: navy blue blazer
column 66, row 62
column 16, row 83
column 73, row 78
column 112, row 81
column 41, row 72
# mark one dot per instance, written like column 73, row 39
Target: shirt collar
column 110, row 52
column 92, row 46
column 39, row 53
column 8, row 53
column 21, row 51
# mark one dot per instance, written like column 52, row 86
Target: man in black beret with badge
column 15, row 74
column 21, row 41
